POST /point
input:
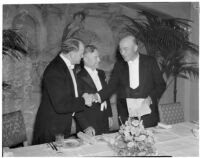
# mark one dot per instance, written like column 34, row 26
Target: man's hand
column 110, row 122
column 96, row 98
column 90, row 131
column 88, row 99
column 148, row 101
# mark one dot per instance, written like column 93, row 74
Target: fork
column 52, row 146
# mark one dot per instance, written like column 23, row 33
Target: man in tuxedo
column 60, row 99
column 91, row 80
column 137, row 76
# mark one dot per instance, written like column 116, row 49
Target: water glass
column 59, row 139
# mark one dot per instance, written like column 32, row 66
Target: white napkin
column 165, row 126
column 137, row 107
column 86, row 138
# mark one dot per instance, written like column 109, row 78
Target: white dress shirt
column 95, row 77
column 71, row 67
column 134, row 72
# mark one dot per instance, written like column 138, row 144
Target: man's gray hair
column 71, row 44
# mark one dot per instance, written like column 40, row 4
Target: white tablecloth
column 177, row 141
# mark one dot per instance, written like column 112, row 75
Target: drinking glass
column 59, row 139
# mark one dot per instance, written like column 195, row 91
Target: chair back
column 14, row 131
column 171, row 113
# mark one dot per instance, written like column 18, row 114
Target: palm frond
column 168, row 41
column 6, row 85
column 190, row 71
column 13, row 43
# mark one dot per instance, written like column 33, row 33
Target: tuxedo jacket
column 93, row 116
column 151, row 83
column 58, row 103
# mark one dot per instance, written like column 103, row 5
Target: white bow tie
column 71, row 67
column 95, row 72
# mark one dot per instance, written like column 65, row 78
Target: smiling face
column 128, row 48
column 91, row 59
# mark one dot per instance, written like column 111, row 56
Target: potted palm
column 168, row 41
column 13, row 46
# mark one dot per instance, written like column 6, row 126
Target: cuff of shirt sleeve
column 150, row 99
column 98, row 97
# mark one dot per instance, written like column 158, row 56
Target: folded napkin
column 86, row 138
column 137, row 107
column 165, row 126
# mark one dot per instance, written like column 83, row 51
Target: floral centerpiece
column 134, row 140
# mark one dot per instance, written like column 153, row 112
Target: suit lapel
column 102, row 79
column 87, row 78
column 126, row 74
column 66, row 72
column 141, row 69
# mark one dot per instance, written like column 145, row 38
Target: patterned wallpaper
column 42, row 27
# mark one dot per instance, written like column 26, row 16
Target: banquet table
column 178, row 141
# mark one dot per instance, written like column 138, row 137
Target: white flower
column 130, row 144
column 140, row 138
column 135, row 123
column 137, row 132
column 133, row 131
column 128, row 138
column 127, row 128
column 141, row 123
column 150, row 139
column 149, row 133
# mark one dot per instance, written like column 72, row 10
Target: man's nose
column 122, row 52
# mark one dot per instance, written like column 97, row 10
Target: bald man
column 137, row 76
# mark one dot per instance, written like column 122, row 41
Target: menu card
column 137, row 107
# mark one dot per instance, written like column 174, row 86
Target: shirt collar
column 67, row 62
column 90, row 71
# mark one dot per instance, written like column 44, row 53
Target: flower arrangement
column 134, row 140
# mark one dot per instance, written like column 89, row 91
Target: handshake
column 90, row 98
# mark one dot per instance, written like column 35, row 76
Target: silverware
column 196, row 123
column 54, row 146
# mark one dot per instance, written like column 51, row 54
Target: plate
column 72, row 143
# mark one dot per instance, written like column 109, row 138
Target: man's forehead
column 94, row 53
column 127, row 40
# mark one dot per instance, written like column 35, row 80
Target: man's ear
column 136, row 48
column 84, row 58
column 71, row 54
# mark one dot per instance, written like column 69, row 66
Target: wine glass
column 59, row 140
